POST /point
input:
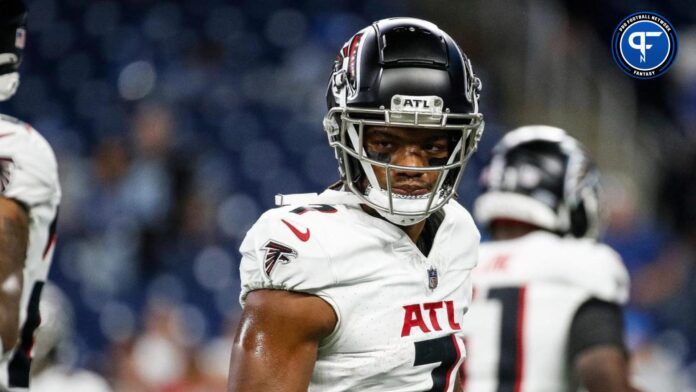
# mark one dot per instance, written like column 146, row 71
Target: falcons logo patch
column 275, row 252
column 5, row 172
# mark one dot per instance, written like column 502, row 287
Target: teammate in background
column 29, row 197
column 547, row 313
column 363, row 287
column 52, row 369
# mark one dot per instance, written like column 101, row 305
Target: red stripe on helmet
column 353, row 56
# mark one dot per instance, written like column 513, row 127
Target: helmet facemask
column 357, row 165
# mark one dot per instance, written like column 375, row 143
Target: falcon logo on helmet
column 402, row 72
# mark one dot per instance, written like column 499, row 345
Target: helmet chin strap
column 380, row 197
column 8, row 85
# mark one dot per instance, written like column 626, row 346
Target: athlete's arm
column 277, row 340
column 596, row 349
column 14, row 234
column 603, row 368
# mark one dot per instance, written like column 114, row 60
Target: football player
column 363, row 287
column 49, row 372
column 29, row 197
column 547, row 313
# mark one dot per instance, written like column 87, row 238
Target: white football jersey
column 57, row 379
column 526, row 292
column 28, row 174
column 399, row 312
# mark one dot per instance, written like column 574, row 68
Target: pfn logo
column 644, row 45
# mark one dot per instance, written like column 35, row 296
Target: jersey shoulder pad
column 28, row 168
column 461, row 214
column 5, row 119
column 464, row 236
column 596, row 268
column 281, row 251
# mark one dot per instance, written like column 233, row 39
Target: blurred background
column 175, row 123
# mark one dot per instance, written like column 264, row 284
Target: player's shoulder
column 60, row 378
column 542, row 245
column 283, row 250
column 9, row 123
column 24, row 143
column 86, row 380
column 586, row 253
column 454, row 208
column 583, row 264
column 460, row 236
column 292, row 221
column 601, row 270
column 460, row 218
column 27, row 164
column 587, row 264
column 317, row 229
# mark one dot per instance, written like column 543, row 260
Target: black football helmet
column 542, row 176
column 403, row 72
column 13, row 17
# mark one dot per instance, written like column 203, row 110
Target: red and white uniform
column 397, row 322
column 526, row 292
column 28, row 174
